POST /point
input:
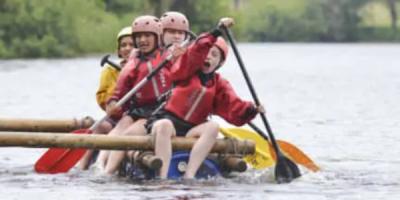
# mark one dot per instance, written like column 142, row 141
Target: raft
column 231, row 155
column 226, row 154
column 225, row 159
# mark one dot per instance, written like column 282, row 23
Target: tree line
column 66, row 28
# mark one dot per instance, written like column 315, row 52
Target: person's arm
column 193, row 59
column 230, row 107
column 125, row 82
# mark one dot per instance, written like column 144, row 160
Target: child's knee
column 163, row 128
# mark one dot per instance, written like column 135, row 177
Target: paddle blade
column 265, row 157
column 262, row 157
column 297, row 155
column 59, row 160
column 286, row 170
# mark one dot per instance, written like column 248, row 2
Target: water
column 336, row 102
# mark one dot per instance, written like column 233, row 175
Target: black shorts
column 142, row 112
column 181, row 127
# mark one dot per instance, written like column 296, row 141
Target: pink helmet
column 221, row 44
column 175, row 20
column 147, row 23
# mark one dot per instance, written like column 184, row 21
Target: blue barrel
column 179, row 161
column 177, row 167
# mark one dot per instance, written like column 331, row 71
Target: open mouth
column 207, row 64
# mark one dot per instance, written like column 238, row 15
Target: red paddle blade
column 59, row 160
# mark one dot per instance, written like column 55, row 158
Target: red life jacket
column 137, row 69
column 193, row 102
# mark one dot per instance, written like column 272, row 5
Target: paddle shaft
column 258, row 130
column 252, row 91
column 128, row 95
column 285, row 169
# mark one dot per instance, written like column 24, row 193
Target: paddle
column 292, row 151
column 285, row 169
column 105, row 60
column 58, row 160
column 263, row 157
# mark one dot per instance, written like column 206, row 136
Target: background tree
column 63, row 28
column 393, row 13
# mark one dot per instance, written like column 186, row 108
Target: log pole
column 235, row 163
column 95, row 141
column 44, row 125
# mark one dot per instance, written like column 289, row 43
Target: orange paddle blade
column 59, row 160
column 297, row 155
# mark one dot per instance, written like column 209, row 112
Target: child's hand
column 260, row 109
column 176, row 51
column 112, row 109
column 226, row 22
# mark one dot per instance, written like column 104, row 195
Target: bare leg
column 208, row 133
column 115, row 157
column 123, row 124
column 103, row 128
column 163, row 130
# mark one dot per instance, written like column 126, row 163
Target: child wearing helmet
column 108, row 81
column 175, row 28
column 110, row 73
column 146, row 35
column 199, row 92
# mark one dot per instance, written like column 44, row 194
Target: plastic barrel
column 179, row 161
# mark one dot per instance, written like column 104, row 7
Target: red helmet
column 223, row 47
column 175, row 20
column 147, row 23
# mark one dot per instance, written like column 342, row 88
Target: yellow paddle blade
column 262, row 157
column 264, row 150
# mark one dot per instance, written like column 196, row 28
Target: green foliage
column 304, row 20
column 204, row 17
column 38, row 28
column 63, row 28
column 378, row 34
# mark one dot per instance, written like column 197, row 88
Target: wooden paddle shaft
column 42, row 140
column 42, row 125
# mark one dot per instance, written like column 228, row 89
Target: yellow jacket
column 108, row 80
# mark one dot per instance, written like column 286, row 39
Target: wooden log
column 149, row 160
column 44, row 125
column 235, row 163
column 94, row 141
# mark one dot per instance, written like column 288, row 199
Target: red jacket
column 193, row 102
column 135, row 70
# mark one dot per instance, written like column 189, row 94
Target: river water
column 336, row 102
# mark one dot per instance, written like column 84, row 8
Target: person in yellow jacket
column 110, row 72
column 108, row 80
